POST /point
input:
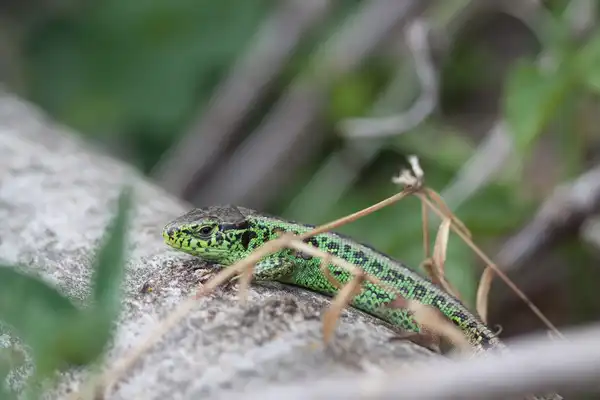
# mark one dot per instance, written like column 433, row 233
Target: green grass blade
column 27, row 304
column 110, row 261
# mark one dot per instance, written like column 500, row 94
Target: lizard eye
column 206, row 230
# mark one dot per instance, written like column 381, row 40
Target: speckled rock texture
column 57, row 194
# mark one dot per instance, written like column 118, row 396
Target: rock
column 57, row 195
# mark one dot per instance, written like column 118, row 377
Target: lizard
column 226, row 234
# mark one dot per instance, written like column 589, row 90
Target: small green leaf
column 588, row 61
column 531, row 100
column 110, row 260
column 350, row 98
column 593, row 80
column 85, row 336
column 59, row 333
column 28, row 303
column 90, row 332
column 36, row 313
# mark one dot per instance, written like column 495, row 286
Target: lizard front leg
column 273, row 269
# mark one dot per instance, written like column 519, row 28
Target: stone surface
column 56, row 196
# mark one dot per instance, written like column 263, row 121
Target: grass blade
column 110, row 260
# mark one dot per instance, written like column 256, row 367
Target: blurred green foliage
column 60, row 334
column 137, row 69
column 134, row 74
column 353, row 94
column 533, row 95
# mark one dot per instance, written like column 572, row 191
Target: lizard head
column 218, row 234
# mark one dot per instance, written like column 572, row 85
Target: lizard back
column 373, row 299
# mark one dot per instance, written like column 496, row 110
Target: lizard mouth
column 191, row 246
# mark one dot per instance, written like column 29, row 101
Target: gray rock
column 56, row 197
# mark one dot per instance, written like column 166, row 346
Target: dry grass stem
column 112, row 375
column 439, row 279
column 441, row 245
column 439, row 258
column 433, row 321
column 245, row 279
column 325, row 261
column 425, row 219
column 353, row 269
column 431, row 199
column 429, row 268
column 483, row 291
column 339, row 302
column 240, row 266
column 493, row 266
column 437, row 325
column 443, row 207
column 359, row 214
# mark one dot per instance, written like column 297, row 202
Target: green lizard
column 226, row 234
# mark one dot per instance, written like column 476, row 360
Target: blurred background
column 307, row 108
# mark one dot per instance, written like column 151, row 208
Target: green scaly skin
column 226, row 234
